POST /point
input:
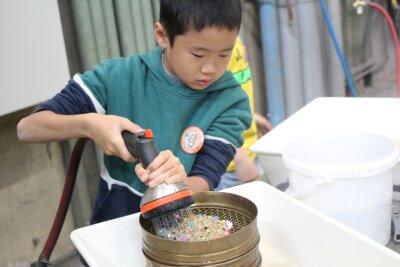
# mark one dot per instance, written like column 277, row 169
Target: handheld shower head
column 164, row 197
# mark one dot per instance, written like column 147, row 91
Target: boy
column 180, row 90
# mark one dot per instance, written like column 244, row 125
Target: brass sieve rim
column 228, row 206
column 240, row 248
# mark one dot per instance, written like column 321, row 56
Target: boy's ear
column 160, row 34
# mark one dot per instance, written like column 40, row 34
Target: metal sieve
column 238, row 218
column 240, row 248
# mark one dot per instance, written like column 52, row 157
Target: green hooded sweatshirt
column 138, row 88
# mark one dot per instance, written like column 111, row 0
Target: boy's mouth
column 204, row 81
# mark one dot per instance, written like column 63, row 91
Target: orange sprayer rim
column 165, row 200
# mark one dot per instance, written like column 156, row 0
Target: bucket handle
column 310, row 187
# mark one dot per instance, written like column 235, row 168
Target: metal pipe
column 335, row 77
column 310, row 50
column 339, row 52
column 288, row 29
column 395, row 39
column 272, row 61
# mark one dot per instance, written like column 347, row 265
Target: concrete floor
column 71, row 260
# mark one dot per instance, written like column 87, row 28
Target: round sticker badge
column 192, row 139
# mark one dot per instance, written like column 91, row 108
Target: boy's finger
column 125, row 154
column 160, row 160
column 132, row 127
column 173, row 175
column 142, row 173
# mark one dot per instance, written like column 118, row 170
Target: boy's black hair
column 179, row 16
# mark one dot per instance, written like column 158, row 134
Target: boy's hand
column 106, row 131
column 263, row 124
column 245, row 166
column 164, row 168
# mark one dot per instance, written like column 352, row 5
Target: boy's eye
column 225, row 55
column 197, row 55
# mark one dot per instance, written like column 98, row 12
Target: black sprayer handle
column 141, row 145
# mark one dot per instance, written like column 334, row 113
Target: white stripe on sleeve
column 99, row 108
column 209, row 137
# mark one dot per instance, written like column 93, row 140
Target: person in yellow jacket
column 245, row 166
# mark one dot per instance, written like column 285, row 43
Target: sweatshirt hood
column 153, row 62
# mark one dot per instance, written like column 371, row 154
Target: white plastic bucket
column 346, row 175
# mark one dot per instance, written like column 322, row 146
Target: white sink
column 292, row 234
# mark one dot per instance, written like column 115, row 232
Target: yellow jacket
column 240, row 68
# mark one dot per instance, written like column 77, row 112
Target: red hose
column 394, row 37
column 64, row 202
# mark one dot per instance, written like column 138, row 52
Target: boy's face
column 197, row 58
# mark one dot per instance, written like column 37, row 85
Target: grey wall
column 31, row 180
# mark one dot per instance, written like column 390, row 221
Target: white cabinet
column 33, row 61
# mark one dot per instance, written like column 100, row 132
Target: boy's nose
column 208, row 68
